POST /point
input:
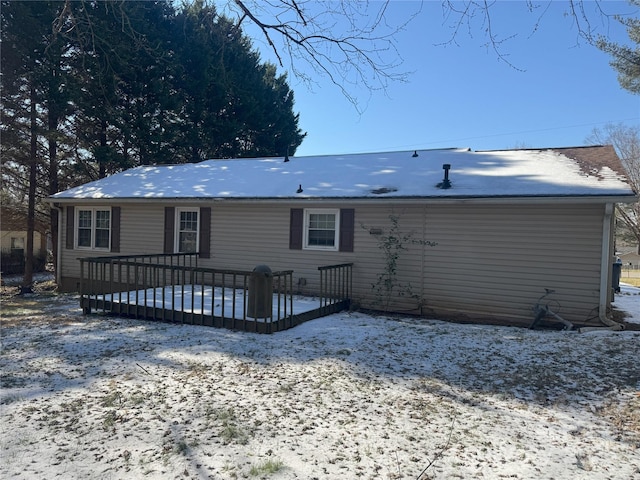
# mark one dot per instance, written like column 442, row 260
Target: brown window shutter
column 347, row 223
column 70, row 228
column 295, row 229
column 205, row 232
column 115, row 229
column 169, row 224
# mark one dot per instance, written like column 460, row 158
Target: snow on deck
column 205, row 300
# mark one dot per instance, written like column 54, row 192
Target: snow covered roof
column 581, row 171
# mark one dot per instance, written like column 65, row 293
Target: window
column 321, row 229
column 17, row 243
column 94, row 228
column 187, row 230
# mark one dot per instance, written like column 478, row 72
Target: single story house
column 13, row 239
column 450, row 233
column 630, row 258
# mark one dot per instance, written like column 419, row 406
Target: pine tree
column 626, row 58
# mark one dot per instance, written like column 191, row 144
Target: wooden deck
column 173, row 288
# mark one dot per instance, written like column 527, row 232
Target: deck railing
column 336, row 285
column 173, row 287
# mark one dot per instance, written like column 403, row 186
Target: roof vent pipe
column 446, row 183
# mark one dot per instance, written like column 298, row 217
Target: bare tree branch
column 350, row 43
column 460, row 15
column 626, row 141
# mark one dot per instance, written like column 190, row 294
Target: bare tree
column 353, row 43
column 588, row 19
column 626, row 140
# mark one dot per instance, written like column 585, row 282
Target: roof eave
column 512, row 199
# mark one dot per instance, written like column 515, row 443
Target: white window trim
column 176, row 228
column 76, row 227
column 305, row 238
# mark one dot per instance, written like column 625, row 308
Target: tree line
column 92, row 88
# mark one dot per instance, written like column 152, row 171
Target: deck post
column 86, row 309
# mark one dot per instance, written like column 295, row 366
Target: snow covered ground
column 342, row 397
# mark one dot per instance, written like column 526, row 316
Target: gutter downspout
column 59, row 252
column 605, row 284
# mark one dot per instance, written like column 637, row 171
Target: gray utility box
column 260, row 293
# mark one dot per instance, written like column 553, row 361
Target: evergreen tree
column 34, row 74
column 233, row 106
column 93, row 87
column 125, row 94
column 626, row 58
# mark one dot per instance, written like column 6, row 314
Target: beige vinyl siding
column 242, row 236
column 141, row 229
column 69, row 265
column 493, row 260
column 246, row 235
column 370, row 262
column 490, row 259
column 141, row 232
column 497, row 260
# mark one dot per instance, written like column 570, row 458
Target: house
column 630, row 259
column 630, row 264
column 451, row 233
column 13, row 239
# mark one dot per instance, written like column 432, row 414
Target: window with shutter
column 322, row 229
column 92, row 228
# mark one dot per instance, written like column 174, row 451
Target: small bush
column 267, row 467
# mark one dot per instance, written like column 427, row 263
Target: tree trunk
column 53, row 118
column 27, row 280
column 102, row 161
column 53, row 188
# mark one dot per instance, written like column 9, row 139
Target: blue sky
column 465, row 96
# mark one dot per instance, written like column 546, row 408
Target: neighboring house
column 630, row 259
column 13, row 239
column 511, row 224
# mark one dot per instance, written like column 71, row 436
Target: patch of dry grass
column 631, row 281
column 624, row 415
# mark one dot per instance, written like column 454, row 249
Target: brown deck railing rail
column 172, row 287
column 336, row 285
